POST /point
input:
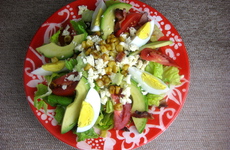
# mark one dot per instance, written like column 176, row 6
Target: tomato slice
column 62, row 86
column 122, row 117
column 157, row 56
column 131, row 20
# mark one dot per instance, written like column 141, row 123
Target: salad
column 105, row 71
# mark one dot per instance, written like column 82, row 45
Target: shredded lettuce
column 55, row 100
column 59, row 113
column 87, row 135
column 87, row 15
column 79, row 27
column 154, row 99
column 69, row 64
column 105, row 121
column 54, row 37
column 155, row 68
column 171, row 75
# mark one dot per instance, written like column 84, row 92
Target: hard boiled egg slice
column 148, row 82
column 143, row 34
column 89, row 111
column 95, row 25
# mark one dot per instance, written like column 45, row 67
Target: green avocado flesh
column 108, row 18
column 61, row 52
column 73, row 110
column 139, row 103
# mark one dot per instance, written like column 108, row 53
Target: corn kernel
column 54, row 59
column 99, row 82
column 117, row 89
column 88, row 51
column 103, row 48
column 87, row 67
column 125, row 67
column 105, row 57
column 119, row 48
column 118, row 107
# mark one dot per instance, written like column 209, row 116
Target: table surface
column 203, row 123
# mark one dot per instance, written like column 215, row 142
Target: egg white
column 136, row 75
column 140, row 42
column 93, row 99
column 101, row 5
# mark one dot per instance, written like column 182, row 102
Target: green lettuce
column 54, row 37
column 105, row 121
column 154, row 99
column 59, row 113
column 55, row 100
column 70, row 63
column 155, row 68
column 86, row 135
column 171, row 75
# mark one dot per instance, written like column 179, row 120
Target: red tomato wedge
column 131, row 20
column 64, row 87
column 121, row 118
column 157, row 56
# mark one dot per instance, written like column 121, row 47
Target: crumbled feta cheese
column 70, row 77
column 132, row 31
column 78, row 77
column 64, row 87
column 79, row 48
column 127, row 79
column 65, row 31
column 82, row 8
column 90, row 60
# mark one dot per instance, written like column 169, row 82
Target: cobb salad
column 105, row 70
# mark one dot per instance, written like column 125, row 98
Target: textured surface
column 204, row 120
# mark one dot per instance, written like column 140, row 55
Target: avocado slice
column 153, row 45
column 61, row 52
column 139, row 103
column 73, row 110
column 108, row 18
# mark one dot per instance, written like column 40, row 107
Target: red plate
column 115, row 139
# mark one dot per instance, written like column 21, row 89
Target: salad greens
column 113, row 85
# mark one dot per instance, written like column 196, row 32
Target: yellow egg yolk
column 86, row 114
column 144, row 31
column 152, row 81
column 54, row 67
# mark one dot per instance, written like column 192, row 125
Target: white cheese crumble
column 64, row 87
column 65, row 31
column 105, row 95
column 82, row 8
column 90, row 59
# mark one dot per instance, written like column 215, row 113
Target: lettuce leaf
column 154, row 99
column 59, row 113
column 69, row 64
column 155, row 69
column 87, row 135
column 105, row 121
column 54, row 37
column 171, row 75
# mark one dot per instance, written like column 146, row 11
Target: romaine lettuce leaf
column 81, row 136
column 171, row 75
column 154, row 99
column 59, row 113
column 155, row 68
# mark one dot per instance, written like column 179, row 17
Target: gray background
column 203, row 123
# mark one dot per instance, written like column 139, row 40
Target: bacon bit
column 125, row 129
column 120, row 16
column 142, row 114
column 144, row 19
column 120, row 56
column 163, row 103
